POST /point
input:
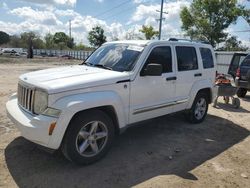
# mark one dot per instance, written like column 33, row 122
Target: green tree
column 37, row 42
column 96, row 36
column 208, row 19
column 61, row 39
column 80, row 46
column 149, row 32
column 4, row 38
column 70, row 43
column 232, row 44
column 49, row 42
column 15, row 41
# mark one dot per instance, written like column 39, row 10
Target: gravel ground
column 163, row 152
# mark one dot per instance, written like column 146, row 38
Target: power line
column 119, row 13
column 115, row 7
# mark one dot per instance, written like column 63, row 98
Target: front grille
column 26, row 97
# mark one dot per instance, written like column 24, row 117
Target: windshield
column 117, row 57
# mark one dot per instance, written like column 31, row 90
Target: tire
column 241, row 92
column 89, row 137
column 236, row 102
column 198, row 111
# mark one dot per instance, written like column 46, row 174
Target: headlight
column 40, row 102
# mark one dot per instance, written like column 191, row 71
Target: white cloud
column 147, row 15
column 50, row 2
column 244, row 2
column 66, row 13
column 144, row 1
column 45, row 20
column 36, row 16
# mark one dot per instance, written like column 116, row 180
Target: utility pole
column 160, row 20
column 70, row 29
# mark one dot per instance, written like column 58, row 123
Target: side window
column 207, row 58
column 186, row 58
column 161, row 55
column 246, row 61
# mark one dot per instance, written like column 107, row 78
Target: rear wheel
column 241, row 92
column 198, row 111
column 89, row 137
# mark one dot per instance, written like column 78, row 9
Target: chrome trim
column 155, row 107
column 25, row 96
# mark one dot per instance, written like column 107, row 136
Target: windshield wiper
column 96, row 65
column 87, row 63
column 102, row 66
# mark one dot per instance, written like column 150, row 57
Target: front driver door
column 153, row 96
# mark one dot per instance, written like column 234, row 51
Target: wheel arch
column 204, row 86
column 108, row 102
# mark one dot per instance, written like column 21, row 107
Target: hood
column 61, row 79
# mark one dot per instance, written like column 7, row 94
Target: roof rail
column 188, row 40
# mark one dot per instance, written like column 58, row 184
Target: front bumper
column 33, row 128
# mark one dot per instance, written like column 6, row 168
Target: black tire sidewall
column 191, row 114
column 241, row 92
column 69, row 148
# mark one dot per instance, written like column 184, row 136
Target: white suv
column 80, row 108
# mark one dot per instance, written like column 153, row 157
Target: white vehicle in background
column 81, row 108
column 13, row 52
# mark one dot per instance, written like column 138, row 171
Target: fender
column 72, row 104
column 198, row 85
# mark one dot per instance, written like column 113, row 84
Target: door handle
column 197, row 74
column 171, row 78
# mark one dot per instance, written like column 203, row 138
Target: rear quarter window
column 207, row 58
column 246, row 61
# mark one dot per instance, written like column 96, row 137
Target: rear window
column 207, row 58
column 246, row 61
column 186, row 58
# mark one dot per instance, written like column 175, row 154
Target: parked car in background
column 81, row 108
column 242, row 79
column 8, row 52
column 66, row 56
column 235, row 63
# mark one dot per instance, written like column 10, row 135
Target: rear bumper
column 33, row 128
column 242, row 83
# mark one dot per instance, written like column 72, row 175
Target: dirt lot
column 164, row 152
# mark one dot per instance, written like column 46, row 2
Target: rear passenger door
column 188, row 72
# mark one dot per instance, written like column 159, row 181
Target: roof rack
column 188, row 40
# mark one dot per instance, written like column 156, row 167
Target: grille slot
column 26, row 97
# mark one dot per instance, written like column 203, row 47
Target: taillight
column 238, row 72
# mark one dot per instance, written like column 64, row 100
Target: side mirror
column 152, row 69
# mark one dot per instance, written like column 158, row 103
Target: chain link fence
column 81, row 55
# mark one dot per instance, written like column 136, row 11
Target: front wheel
column 198, row 111
column 89, row 137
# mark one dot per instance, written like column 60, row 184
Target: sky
column 119, row 18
